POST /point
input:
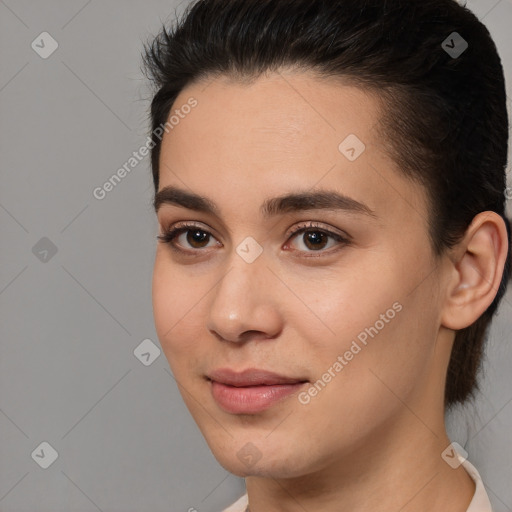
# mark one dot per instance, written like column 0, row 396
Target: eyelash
column 168, row 237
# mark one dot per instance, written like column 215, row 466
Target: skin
column 379, row 424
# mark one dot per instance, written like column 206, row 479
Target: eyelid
column 177, row 229
column 311, row 225
column 194, row 224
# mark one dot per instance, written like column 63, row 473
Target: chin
column 260, row 458
column 268, row 469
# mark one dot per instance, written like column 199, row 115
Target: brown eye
column 195, row 238
column 314, row 239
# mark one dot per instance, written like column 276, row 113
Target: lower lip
column 251, row 399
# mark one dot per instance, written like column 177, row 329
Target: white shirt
column 479, row 503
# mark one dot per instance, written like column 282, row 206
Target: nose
column 245, row 303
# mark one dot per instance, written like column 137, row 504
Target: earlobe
column 477, row 271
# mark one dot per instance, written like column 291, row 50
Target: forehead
column 280, row 132
column 293, row 109
column 283, row 121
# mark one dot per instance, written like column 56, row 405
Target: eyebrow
column 293, row 202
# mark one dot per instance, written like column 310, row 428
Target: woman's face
column 293, row 350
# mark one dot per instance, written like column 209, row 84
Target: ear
column 476, row 267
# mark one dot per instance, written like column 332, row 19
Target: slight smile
column 251, row 391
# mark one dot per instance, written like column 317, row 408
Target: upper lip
column 250, row 377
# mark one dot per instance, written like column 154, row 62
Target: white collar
column 480, row 501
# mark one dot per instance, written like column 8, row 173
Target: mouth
column 251, row 391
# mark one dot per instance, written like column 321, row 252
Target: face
column 295, row 327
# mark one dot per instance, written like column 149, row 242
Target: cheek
column 346, row 305
column 175, row 309
column 359, row 385
column 372, row 320
column 386, row 357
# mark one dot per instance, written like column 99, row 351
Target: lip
column 251, row 391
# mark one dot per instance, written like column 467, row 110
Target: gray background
column 70, row 321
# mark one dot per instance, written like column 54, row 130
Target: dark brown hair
column 445, row 119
